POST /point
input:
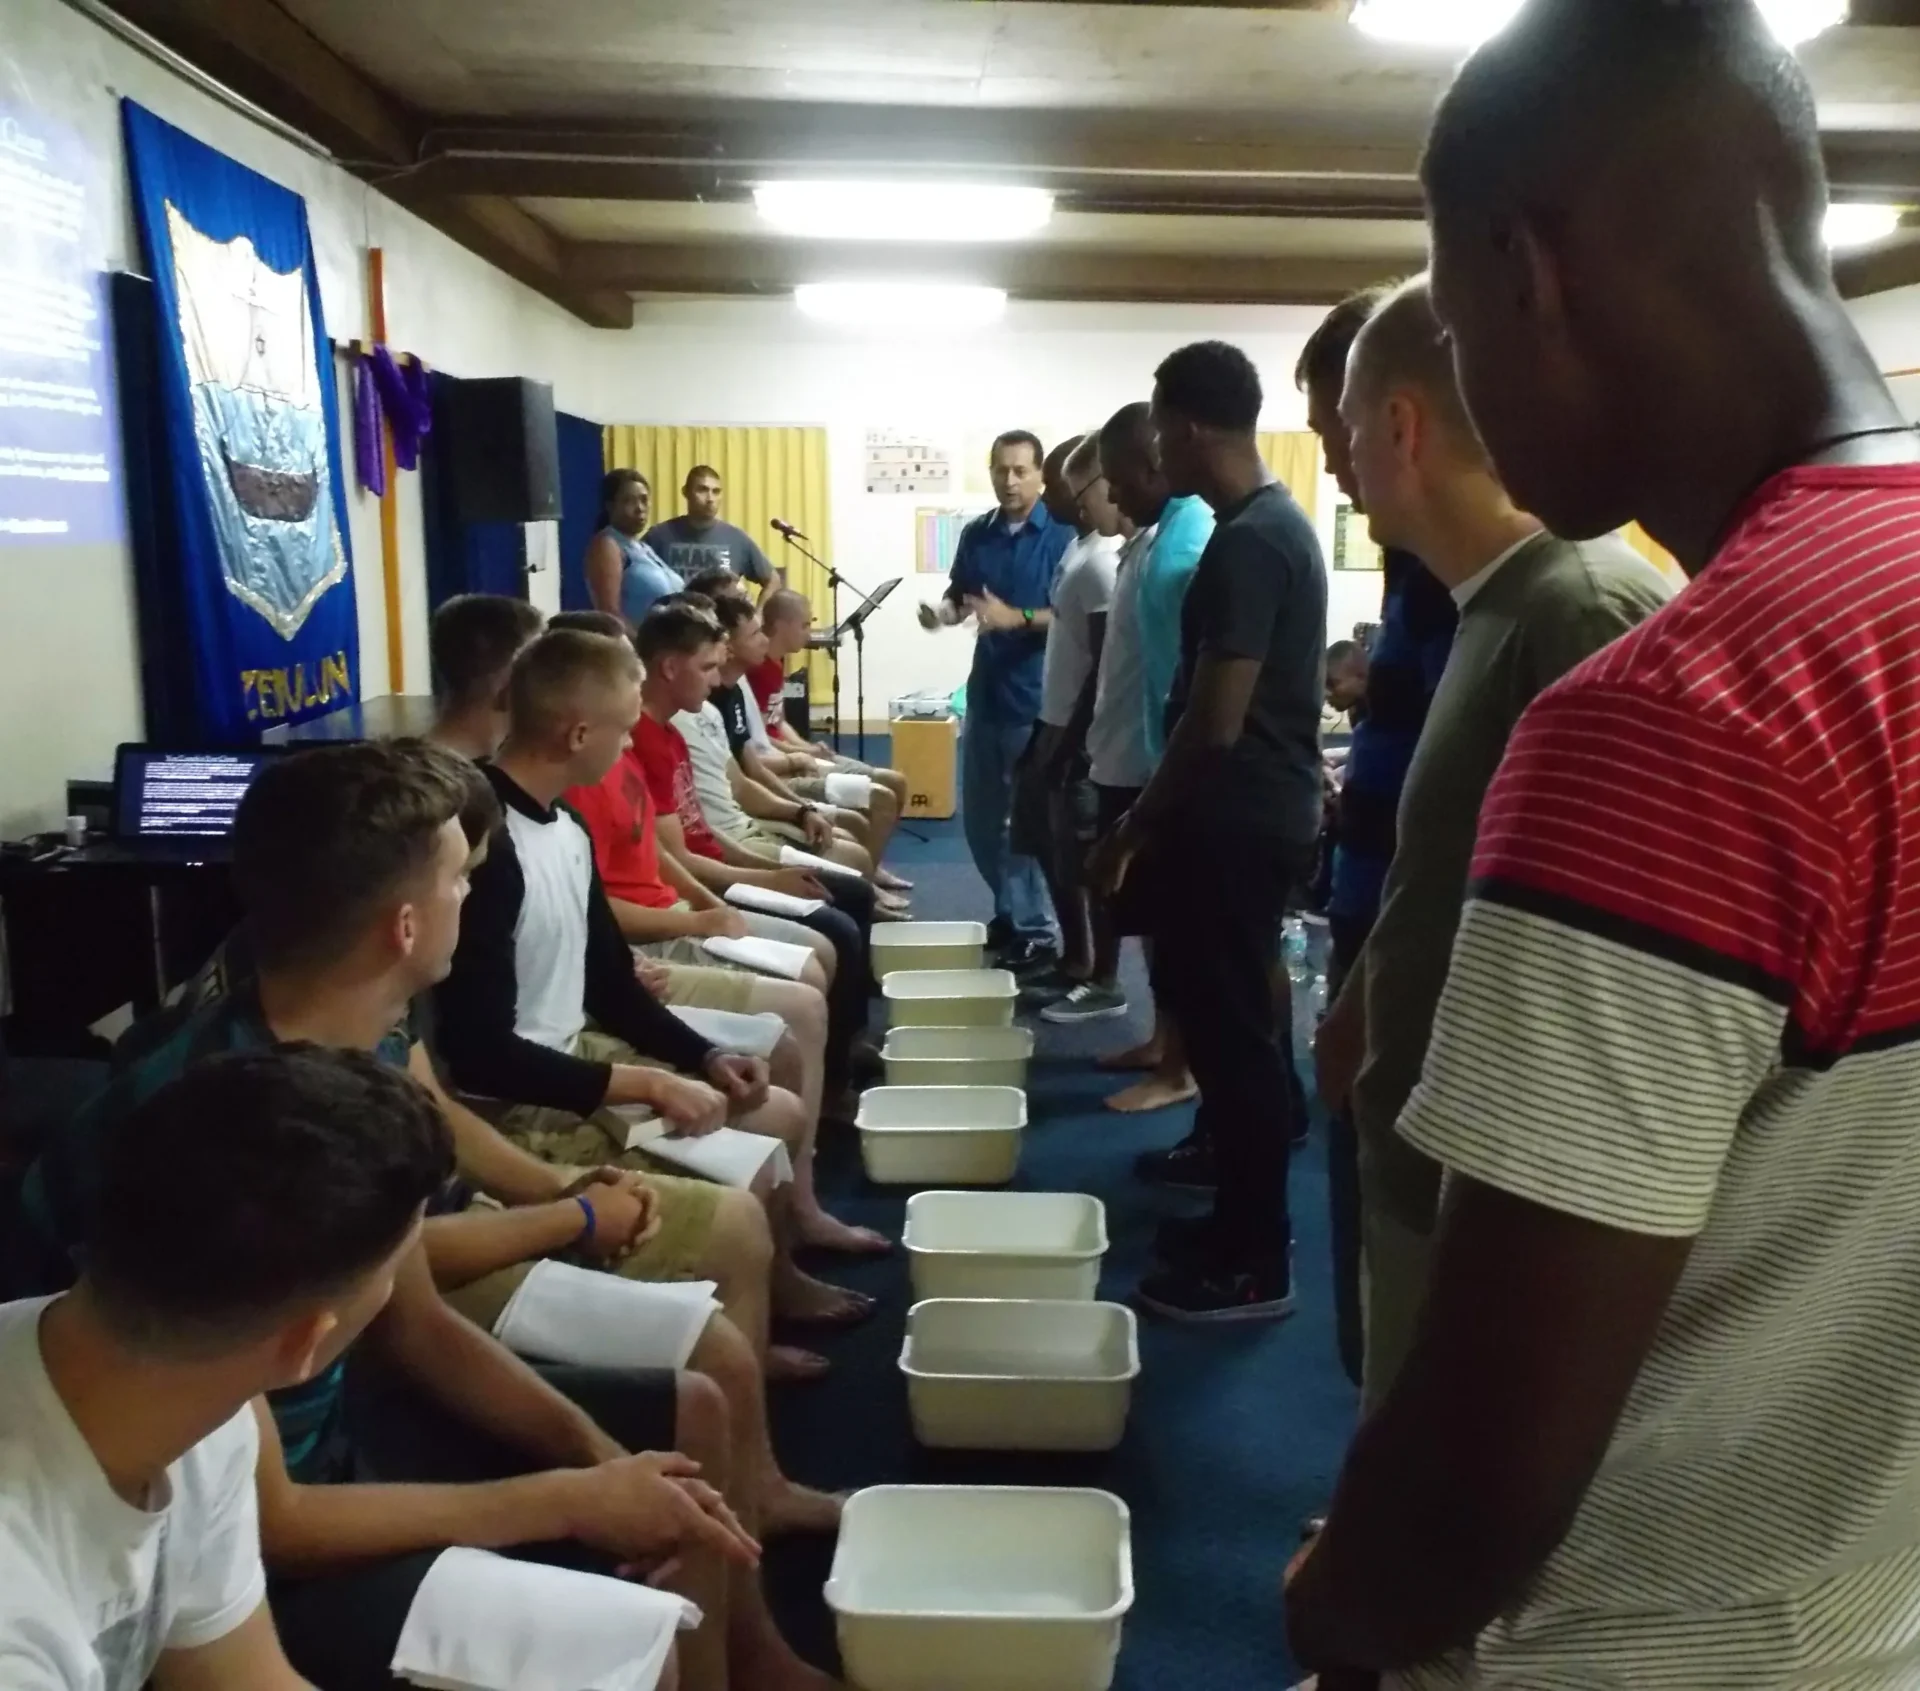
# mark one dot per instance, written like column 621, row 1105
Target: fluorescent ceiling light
column 1467, row 23
column 903, row 211
column 901, row 305
column 1859, row 225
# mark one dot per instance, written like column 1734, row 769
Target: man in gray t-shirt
column 1532, row 607
column 700, row 541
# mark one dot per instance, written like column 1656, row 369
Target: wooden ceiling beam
column 1037, row 273
column 1089, row 163
column 261, row 52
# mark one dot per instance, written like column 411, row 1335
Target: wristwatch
column 1027, row 618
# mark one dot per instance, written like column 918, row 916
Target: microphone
column 787, row 530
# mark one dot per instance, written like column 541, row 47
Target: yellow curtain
column 765, row 473
column 1656, row 554
column 1295, row 458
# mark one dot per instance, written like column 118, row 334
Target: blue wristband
column 586, row 1209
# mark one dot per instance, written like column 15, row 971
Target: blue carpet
column 1236, row 1434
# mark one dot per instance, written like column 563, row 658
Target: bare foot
column 796, row 1366
column 800, row 1297
column 892, row 903
column 824, row 1232
column 1142, row 1057
column 1153, row 1093
column 888, row 881
column 789, row 1508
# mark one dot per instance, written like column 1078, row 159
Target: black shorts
column 340, row 1630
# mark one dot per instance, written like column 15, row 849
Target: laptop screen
column 162, row 795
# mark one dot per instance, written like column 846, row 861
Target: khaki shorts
column 707, row 985
column 687, row 1207
column 762, row 837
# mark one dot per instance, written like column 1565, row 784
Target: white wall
column 69, row 663
column 1055, row 369
column 1891, row 324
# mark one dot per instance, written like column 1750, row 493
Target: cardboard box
column 928, row 754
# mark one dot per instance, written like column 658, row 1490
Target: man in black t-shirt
column 1227, row 824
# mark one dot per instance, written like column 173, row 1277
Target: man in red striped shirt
column 1661, row 1421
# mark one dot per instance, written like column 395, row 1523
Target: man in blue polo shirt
column 1002, row 578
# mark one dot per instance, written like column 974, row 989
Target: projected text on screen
column 58, row 451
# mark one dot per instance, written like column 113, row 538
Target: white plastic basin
column 949, row 998
column 981, row 1588
column 941, row 1135
column 928, row 945
column 999, row 1374
column 1005, row 1244
column 981, row 1056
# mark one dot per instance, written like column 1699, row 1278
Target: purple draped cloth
column 396, row 396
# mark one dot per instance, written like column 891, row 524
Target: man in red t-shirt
column 786, row 619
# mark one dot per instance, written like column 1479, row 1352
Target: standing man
column 1119, row 750
column 1227, row 824
column 1002, row 577
column 700, row 540
column 1397, row 679
column 1532, row 607
column 1081, row 986
column 1658, row 1423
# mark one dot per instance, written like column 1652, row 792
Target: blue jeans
column 988, row 751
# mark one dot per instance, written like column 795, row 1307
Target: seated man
column 861, row 809
column 473, row 640
column 129, row 1530
column 740, row 808
column 680, row 644
column 542, row 1010
column 660, row 906
column 351, row 863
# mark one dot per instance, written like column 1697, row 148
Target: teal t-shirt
column 1186, row 525
column 59, row 1190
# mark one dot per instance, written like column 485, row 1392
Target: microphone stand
column 836, row 581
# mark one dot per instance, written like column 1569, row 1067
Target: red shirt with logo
column 668, row 769
column 619, row 817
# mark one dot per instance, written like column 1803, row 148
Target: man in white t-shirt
column 129, row 1537
column 1053, row 803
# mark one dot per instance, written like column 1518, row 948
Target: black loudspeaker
column 498, row 449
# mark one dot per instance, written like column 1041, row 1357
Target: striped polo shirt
column 1685, row 1001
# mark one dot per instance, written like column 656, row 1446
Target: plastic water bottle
column 1295, row 950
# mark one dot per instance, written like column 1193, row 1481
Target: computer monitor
column 165, row 795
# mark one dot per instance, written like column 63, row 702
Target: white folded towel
column 739, row 1034
column 771, row 902
column 792, row 857
column 850, row 792
column 592, row 1319
column 481, row 1622
column 768, row 956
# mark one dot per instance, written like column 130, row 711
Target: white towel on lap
column 737, row 1033
column 771, row 902
column 792, row 857
column 850, row 792
column 481, row 1622
column 591, row 1319
column 768, row 956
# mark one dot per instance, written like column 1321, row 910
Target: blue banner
column 253, row 436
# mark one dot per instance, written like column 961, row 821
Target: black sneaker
column 1045, row 986
column 1187, row 1167
column 1030, row 956
column 1217, row 1294
column 999, row 934
column 1088, row 1001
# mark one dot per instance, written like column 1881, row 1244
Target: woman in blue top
column 624, row 574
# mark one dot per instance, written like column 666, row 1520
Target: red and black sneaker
column 1217, row 1293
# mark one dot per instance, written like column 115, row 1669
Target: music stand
column 856, row 625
